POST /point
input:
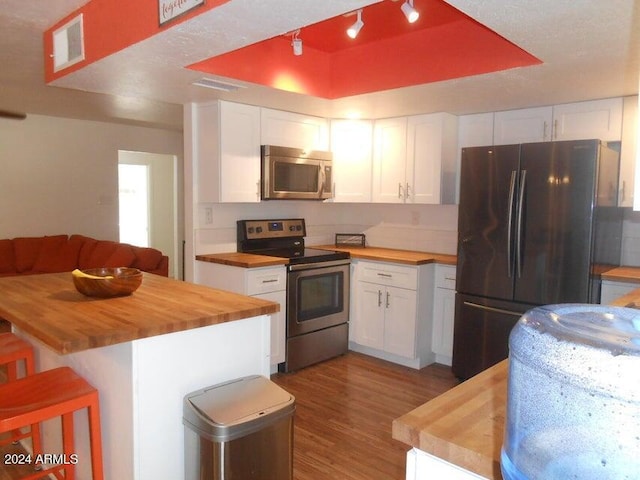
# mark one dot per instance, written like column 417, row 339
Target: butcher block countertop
column 249, row 260
column 623, row 274
column 245, row 260
column 463, row 426
column 48, row 307
column 393, row 255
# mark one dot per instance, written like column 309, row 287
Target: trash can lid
column 240, row 400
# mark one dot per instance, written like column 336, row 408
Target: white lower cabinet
column 444, row 302
column 268, row 283
column 424, row 466
column 612, row 290
column 391, row 312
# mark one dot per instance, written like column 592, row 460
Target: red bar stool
column 13, row 349
column 49, row 394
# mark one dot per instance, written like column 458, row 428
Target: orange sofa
column 62, row 253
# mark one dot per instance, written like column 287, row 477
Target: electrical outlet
column 208, row 215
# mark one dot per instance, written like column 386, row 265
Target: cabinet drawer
column 266, row 280
column 388, row 274
column 445, row 277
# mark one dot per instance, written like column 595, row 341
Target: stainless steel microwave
column 296, row 174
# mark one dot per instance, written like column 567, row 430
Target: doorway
column 148, row 202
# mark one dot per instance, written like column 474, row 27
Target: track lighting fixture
column 353, row 30
column 411, row 13
column 296, row 43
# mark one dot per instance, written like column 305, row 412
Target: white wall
column 60, row 175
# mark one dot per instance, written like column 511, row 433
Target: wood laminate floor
column 344, row 410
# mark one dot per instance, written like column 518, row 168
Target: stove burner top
column 302, row 255
column 281, row 238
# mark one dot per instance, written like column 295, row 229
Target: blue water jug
column 573, row 399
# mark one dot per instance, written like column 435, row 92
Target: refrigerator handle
column 493, row 309
column 523, row 180
column 512, row 191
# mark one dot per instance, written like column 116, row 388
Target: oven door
column 317, row 296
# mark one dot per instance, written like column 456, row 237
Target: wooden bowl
column 113, row 282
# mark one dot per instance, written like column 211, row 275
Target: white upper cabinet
column 352, row 147
column 431, row 159
column 389, row 160
column 414, row 159
column 475, row 130
column 288, row 129
column 601, row 119
column 522, row 126
column 228, row 152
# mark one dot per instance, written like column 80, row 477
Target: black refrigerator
column 536, row 222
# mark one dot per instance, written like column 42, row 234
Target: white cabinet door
column 288, row 129
column 400, row 321
column 368, row 321
column 228, row 152
column 352, row 147
column 389, row 160
column 278, row 326
column 431, row 159
column 601, row 119
column 522, row 126
column 475, row 130
column 444, row 299
column 612, row 290
column 628, row 152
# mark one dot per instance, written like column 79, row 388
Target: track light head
column 409, row 11
column 354, row 29
column 296, row 43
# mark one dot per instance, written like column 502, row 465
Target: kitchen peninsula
column 143, row 353
column 459, row 434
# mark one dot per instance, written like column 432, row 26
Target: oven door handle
column 309, row 266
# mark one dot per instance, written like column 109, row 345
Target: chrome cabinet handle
column 258, row 189
column 407, row 191
column 387, row 304
column 270, row 281
column 385, row 275
column 400, row 193
column 379, row 298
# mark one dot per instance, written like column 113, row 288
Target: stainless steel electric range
column 317, row 310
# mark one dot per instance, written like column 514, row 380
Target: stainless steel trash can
column 239, row 430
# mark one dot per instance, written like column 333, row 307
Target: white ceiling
column 589, row 49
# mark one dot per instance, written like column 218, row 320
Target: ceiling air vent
column 68, row 44
column 217, row 85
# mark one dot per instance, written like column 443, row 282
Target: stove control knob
column 250, row 229
column 292, row 228
column 298, row 227
column 258, row 229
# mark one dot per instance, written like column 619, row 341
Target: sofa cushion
column 123, row 256
column 105, row 253
column 57, row 255
column 27, row 249
column 147, row 259
column 7, row 256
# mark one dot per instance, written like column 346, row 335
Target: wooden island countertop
column 465, row 426
column 48, row 307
